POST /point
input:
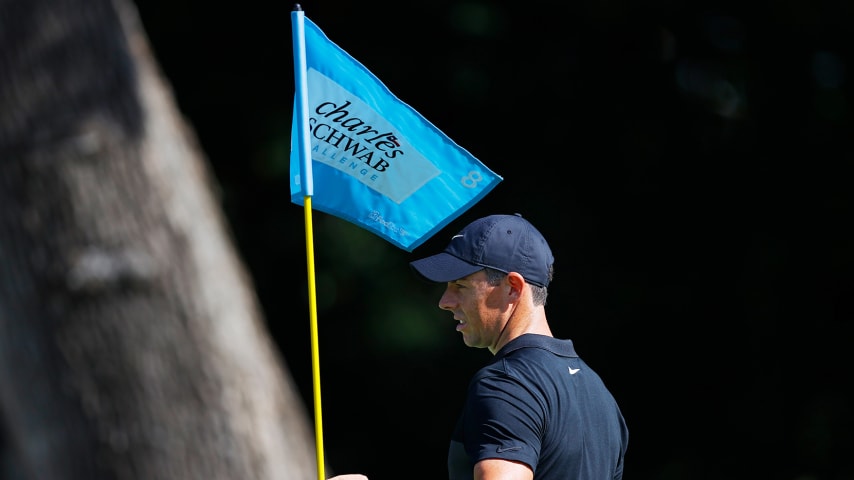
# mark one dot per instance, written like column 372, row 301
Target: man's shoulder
column 527, row 359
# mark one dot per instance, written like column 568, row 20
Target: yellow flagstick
column 298, row 32
column 315, row 350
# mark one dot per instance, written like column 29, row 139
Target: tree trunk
column 131, row 342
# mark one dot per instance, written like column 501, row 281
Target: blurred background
column 688, row 162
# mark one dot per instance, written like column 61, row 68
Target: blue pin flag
column 365, row 156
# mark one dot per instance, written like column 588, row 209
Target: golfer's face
column 476, row 305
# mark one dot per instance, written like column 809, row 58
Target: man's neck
column 527, row 319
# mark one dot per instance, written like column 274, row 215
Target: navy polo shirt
column 539, row 404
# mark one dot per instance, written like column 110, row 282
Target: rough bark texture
column 131, row 343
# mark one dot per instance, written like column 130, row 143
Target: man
column 536, row 411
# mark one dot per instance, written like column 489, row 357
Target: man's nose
column 446, row 301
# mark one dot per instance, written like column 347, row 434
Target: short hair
column 538, row 293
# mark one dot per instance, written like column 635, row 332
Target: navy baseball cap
column 508, row 243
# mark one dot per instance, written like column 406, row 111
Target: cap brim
column 443, row 267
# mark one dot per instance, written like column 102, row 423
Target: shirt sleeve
column 503, row 419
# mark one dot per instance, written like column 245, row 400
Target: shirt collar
column 563, row 348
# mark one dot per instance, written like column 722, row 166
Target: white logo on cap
column 457, row 236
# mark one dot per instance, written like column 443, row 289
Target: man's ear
column 516, row 282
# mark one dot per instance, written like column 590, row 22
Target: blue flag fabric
column 376, row 162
